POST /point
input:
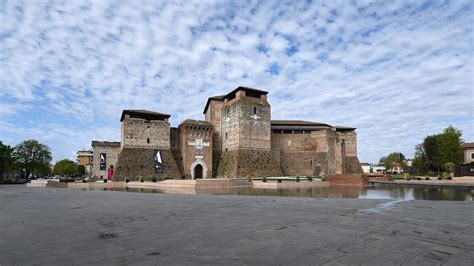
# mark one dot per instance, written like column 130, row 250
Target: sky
column 396, row 70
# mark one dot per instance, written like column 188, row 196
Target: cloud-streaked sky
column 396, row 70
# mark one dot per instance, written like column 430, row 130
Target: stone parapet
column 349, row 179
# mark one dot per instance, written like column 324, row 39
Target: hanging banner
column 158, row 162
column 103, row 161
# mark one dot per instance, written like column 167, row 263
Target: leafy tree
column 32, row 156
column 392, row 159
column 6, row 160
column 449, row 146
column 417, row 163
column 437, row 150
column 449, row 167
column 65, row 167
column 431, row 152
column 81, row 170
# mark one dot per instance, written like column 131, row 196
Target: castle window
column 148, row 140
column 255, row 110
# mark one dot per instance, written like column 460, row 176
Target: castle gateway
column 237, row 139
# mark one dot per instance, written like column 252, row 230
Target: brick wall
column 349, row 179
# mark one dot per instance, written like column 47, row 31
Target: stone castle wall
column 140, row 133
column 111, row 149
column 134, row 163
column 346, row 153
column 196, row 147
column 176, row 148
column 246, row 138
column 302, row 154
column 213, row 116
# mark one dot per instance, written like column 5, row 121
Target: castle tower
column 245, row 135
column 196, row 148
column 145, row 147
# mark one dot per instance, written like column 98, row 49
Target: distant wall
column 111, row 151
column 302, row 154
column 140, row 133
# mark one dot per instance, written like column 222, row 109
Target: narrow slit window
column 255, row 110
column 148, row 140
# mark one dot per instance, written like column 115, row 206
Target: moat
column 348, row 192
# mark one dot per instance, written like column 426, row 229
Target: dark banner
column 158, row 162
column 103, row 161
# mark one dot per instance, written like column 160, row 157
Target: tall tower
column 245, row 135
column 145, row 147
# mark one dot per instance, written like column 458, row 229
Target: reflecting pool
column 370, row 192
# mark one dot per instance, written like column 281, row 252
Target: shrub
column 279, row 180
column 264, row 179
column 323, row 178
column 249, row 178
column 142, row 179
column 84, row 181
column 153, row 179
column 310, row 178
column 440, row 178
column 445, row 175
column 105, row 180
column 126, row 180
column 449, row 178
column 419, row 178
column 406, row 176
column 297, row 179
column 427, row 178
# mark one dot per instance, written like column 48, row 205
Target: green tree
column 437, row 150
column 7, row 163
column 65, row 167
column 417, row 163
column 431, row 152
column 32, row 156
column 449, row 146
column 392, row 159
column 449, row 167
column 81, row 170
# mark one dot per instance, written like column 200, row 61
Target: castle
column 236, row 139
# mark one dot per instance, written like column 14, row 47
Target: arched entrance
column 198, row 169
column 198, row 172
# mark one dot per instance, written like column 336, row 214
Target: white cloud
column 397, row 71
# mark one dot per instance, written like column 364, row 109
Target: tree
column 394, row 158
column 449, row 146
column 437, row 150
column 65, row 167
column 6, row 160
column 449, row 167
column 81, row 170
column 32, row 156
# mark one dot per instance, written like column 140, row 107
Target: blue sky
column 396, row 70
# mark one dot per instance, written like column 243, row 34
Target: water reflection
column 373, row 192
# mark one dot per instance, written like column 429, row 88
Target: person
column 110, row 172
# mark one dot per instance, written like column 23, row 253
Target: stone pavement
column 71, row 227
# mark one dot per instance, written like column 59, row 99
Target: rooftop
column 215, row 98
column 106, row 143
column 196, row 122
column 297, row 123
column 249, row 92
column 144, row 114
column 468, row 145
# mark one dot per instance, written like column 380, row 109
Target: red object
column 110, row 173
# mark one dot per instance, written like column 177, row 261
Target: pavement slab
column 52, row 226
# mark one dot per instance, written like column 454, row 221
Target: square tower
column 246, row 135
column 145, row 147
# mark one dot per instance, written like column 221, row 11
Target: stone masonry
column 237, row 139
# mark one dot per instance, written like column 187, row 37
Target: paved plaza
column 73, row 227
